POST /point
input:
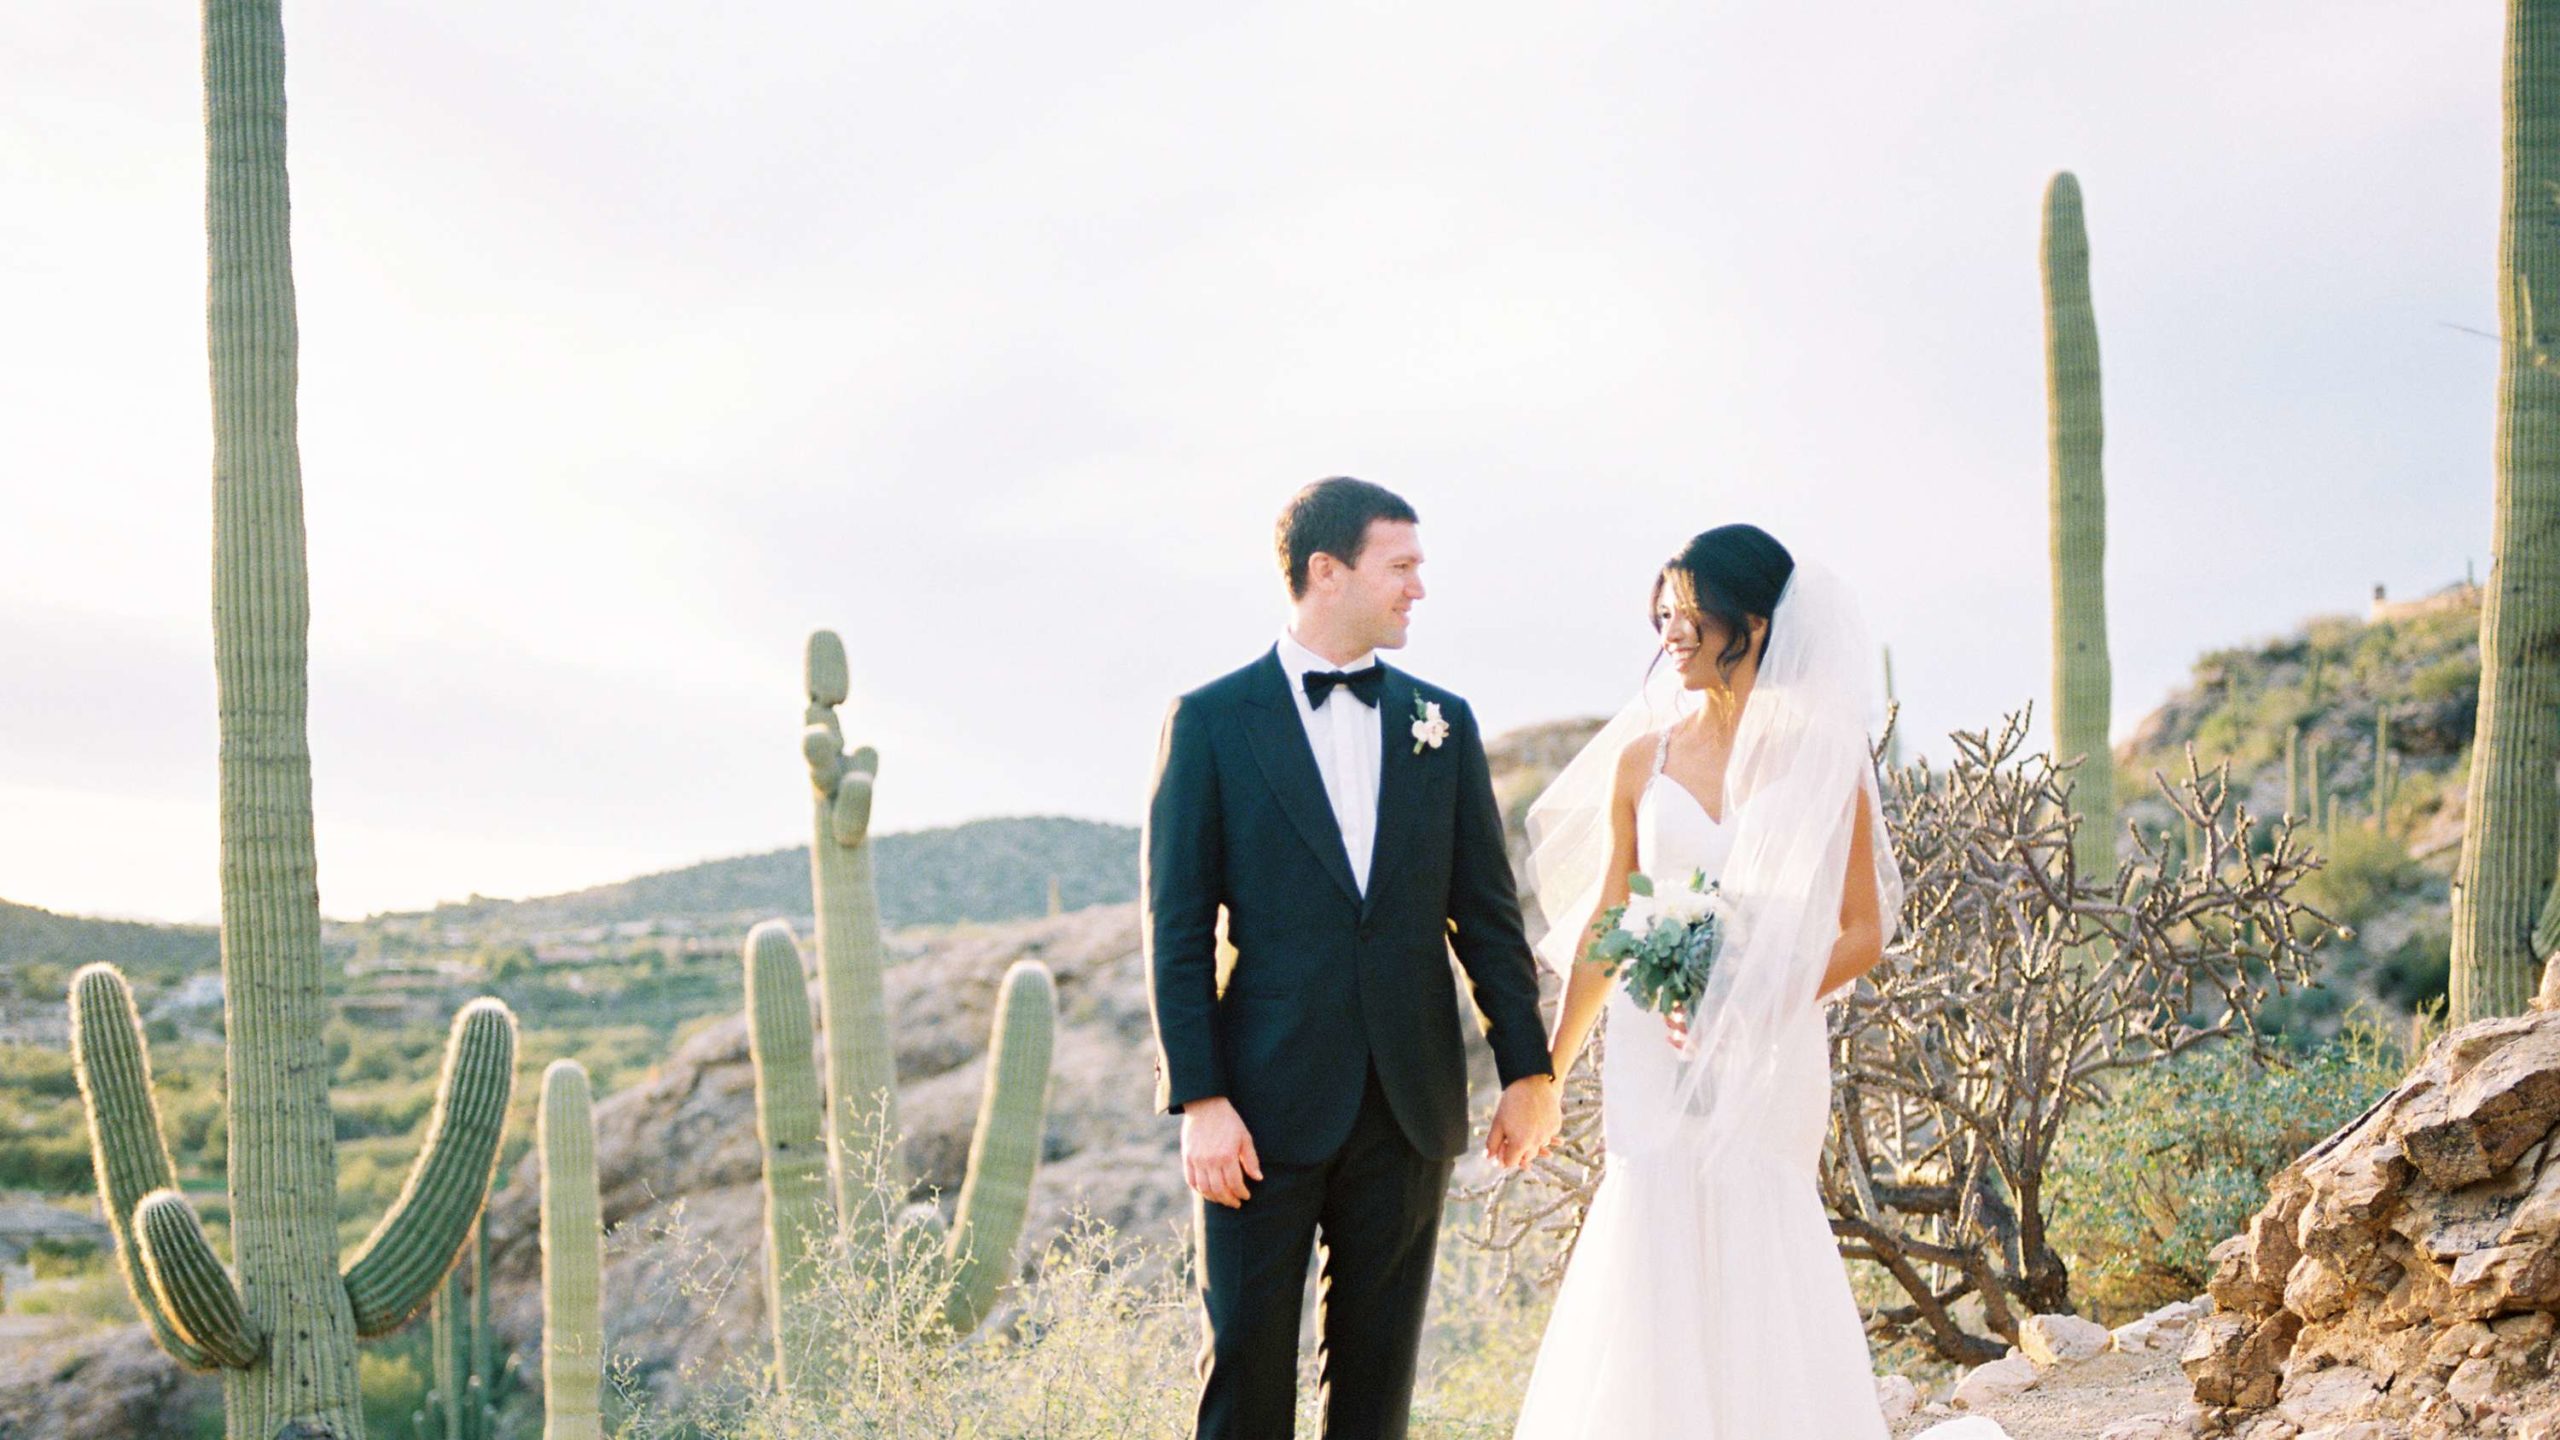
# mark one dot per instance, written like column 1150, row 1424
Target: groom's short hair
column 1332, row 517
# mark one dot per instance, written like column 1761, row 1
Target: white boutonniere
column 1428, row 728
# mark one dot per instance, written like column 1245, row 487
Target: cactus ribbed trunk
column 1013, row 1116
column 853, row 1005
column 2512, row 845
column 2082, row 684
column 572, row 1257
column 789, row 1121
column 283, row 1150
column 852, row 997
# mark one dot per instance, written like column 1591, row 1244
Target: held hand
column 1676, row 1024
column 1217, row 1152
column 1526, row 1121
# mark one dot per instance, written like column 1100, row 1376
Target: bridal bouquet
column 1663, row 945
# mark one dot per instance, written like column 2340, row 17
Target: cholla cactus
column 572, row 1257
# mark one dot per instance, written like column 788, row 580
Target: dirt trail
column 2075, row 1402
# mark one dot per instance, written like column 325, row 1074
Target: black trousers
column 1376, row 1206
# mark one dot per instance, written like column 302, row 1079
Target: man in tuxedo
column 1340, row 813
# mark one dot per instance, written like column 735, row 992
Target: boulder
column 1989, row 1384
column 2402, row 1278
column 2060, row 1339
column 1897, row 1397
column 2163, row 1330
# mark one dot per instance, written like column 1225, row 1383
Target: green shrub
column 2362, row 873
column 2179, row 1159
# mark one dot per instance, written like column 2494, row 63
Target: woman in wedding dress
column 1705, row 1299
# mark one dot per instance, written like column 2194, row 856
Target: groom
column 1341, row 814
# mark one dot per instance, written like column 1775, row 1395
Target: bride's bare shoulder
column 1635, row 766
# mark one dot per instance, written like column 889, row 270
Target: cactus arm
column 395, row 1271
column 126, row 1147
column 781, row 1043
column 849, row 816
column 572, row 1257
column 192, row 1288
column 1005, row 1151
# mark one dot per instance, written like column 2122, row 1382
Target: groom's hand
column 1526, row 1121
column 1217, row 1152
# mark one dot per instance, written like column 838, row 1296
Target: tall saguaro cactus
column 572, row 1257
column 2082, row 683
column 790, row 1116
column 200, row 1316
column 283, row 1333
column 2512, row 845
column 1012, row 1116
column 858, row 1114
column 862, row 1079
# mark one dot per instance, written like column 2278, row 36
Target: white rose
column 1686, row 906
column 1642, row 912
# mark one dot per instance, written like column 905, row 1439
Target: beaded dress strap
column 1662, row 750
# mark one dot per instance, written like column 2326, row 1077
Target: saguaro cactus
column 862, row 1079
column 859, row 1113
column 572, row 1257
column 2082, row 683
column 1012, row 1116
column 193, row 1307
column 1893, row 707
column 283, row 1334
column 2386, row 770
column 2293, row 771
column 2512, row 845
column 789, row 1117
column 463, row 1404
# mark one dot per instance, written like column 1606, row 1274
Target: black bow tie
column 1364, row 684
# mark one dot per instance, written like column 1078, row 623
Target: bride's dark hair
column 1729, row 574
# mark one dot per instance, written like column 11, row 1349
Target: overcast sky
column 639, row 338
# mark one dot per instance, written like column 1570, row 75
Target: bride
column 1704, row 1297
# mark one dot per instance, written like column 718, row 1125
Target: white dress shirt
column 1347, row 738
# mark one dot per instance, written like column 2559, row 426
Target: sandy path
column 2075, row 1402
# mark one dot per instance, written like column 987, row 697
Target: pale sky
column 639, row 338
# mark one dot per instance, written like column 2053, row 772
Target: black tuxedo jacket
column 1327, row 983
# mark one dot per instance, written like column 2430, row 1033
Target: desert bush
column 2018, row 990
column 2179, row 1156
column 2362, row 872
column 1098, row 1340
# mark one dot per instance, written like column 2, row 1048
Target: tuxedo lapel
column 1279, row 742
column 1399, row 778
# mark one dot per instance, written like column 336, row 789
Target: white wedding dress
column 1703, row 1303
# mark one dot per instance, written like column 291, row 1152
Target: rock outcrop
column 2401, row 1282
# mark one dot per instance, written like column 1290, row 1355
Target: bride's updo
column 1729, row 575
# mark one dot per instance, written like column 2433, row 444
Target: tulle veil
column 1801, row 759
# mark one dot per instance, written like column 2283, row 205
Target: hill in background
column 985, row 870
column 2387, row 852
